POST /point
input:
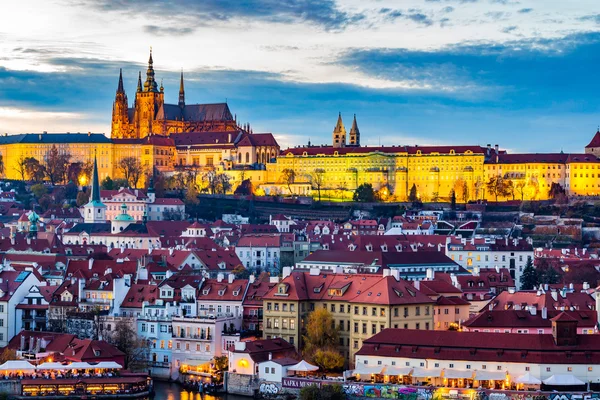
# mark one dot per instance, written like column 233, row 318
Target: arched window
column 247, row 158
column 240, row 158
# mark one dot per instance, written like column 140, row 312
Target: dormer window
column 236, row 292
column 282, row 289
column 221, row 292
column 318, row 289
column 206, row 291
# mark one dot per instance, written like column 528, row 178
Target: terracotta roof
column 479, row 346
column 359, row 288
column 259, row 241
column 137, row 294
column 595, row 142
column 259, row 350
column 213, row 290
column 487, row 319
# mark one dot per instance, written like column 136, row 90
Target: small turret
column 120, row 86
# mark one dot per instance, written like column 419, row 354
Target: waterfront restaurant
column 75, row 379
column 454, row 359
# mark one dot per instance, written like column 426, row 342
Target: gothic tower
column 181, row 102
column 120, row 119
column 147, row 103
column 354, row 134
column 339, row 133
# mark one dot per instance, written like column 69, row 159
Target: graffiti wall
column 402, row 392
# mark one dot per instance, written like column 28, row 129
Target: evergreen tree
column 529, row 278
column 412, row 196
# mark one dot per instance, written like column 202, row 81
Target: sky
column 523, row 74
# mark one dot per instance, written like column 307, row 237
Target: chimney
column 90, row 263
column 544, row 313
column 251, row 278
column 554, row 295
column 417, row 285
column 496, row 147
column 586, row 286
column 270, row 356
column 220, row 277
column 429, row 274
column 476, row 270
column 532, row 310
column 230, row 278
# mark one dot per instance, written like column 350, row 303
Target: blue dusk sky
column 524, row 74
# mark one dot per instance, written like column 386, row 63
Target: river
column 173, row 391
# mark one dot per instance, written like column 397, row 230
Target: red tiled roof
column 479, row 346
column 222, row 291
column 137, row 294
column 259, row 241
column 330, row 150
column 595, row 142
column 361, row 288
column 487, row 319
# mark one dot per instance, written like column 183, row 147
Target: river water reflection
column 173, row 391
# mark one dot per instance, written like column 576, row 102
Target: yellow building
column 361, row 306
column 434, row 170
column 532, row 175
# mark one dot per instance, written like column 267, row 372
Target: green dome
column 123, row 217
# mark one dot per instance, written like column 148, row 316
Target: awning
column 426, row 372
column 52, row 365
column 457, row 373
column 17, row 365
column 303, row 366
column 196, row 363
column 363, row 369
column 490, row 375
column 108, row 365
column 396, row 371
column 528, row 379
column 563, row 380
column 79, row 365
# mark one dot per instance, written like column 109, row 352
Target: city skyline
column 418, row 72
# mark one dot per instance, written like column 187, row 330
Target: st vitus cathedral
column 150, row 115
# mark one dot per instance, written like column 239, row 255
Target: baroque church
column 151, row 116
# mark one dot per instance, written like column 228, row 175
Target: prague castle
column 172, row 138
column 151, row 116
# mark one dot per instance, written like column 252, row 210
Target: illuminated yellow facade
column 434, row 170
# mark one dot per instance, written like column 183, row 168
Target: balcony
column 182, row 335
column 160, row 364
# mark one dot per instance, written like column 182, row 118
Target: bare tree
column 136, row 349
column 288, row 176
column 132, row 170
column 317, row 180
column 56, row 165
column 20, row 167
column 520, row 188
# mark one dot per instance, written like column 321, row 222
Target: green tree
column 310, row 392
column 529, row 278
column 39, row 190
column 412, row 195
column 321, row 339
column 107, row 183
column 364, row 193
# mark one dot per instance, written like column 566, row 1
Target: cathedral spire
column 354, row 133
column 139, row 88
column 181, row 92
column 120, row 87
column 150, row 84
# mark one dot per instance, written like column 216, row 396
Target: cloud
column 525, row 10
column 593, row 17
column 448, row 9
column 497, row 15
column 510, row 29
column 413, row 15
column 167, row 31
column 324, row 13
